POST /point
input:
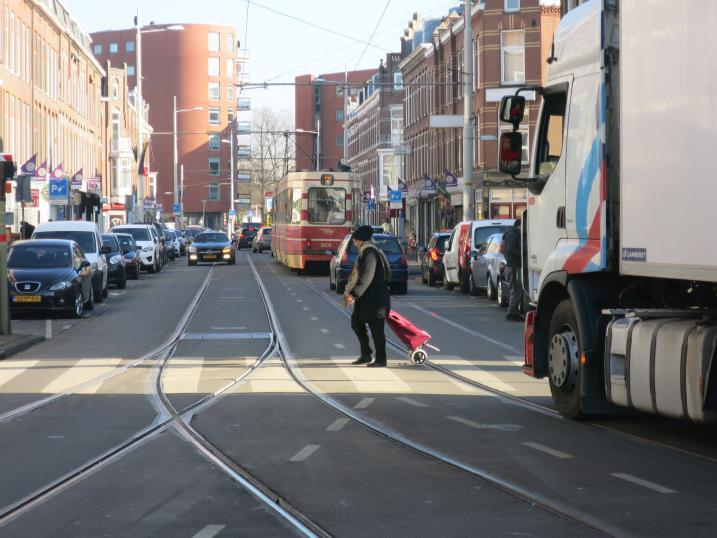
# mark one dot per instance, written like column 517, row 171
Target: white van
column 147, row 244
column 467, row 237
column 86, row 235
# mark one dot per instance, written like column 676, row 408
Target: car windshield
column 266, row 231
column 39, row 256
column 126, row 242
column 110, row 241
column 139, row 234
column 389, row 245
column 327, row 205
column 441, row 242
column 86, row 240
column 482, row 234
column 211, row 238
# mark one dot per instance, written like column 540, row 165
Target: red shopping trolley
column 413, row 337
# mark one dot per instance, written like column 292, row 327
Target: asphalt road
column 90, row 447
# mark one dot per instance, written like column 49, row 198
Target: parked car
column 163, row 247
column 116, row 271
column 171, row 242
column 247, row 232
column 487, row 269
column 49, row 275
column 86, row 235
column 467, row 237
column 211, row 247
column 262, row 240
column 130, row 251
column 432, row 259
column 342, row 263
column 147, row 244
column 183, row 241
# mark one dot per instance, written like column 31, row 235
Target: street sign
column 371, row 204
column 232, row 213
column 395, row 199
column 58, row 191
column 176, row 209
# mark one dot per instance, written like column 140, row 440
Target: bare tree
column 272, row 152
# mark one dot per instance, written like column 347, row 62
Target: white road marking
column 337, row 424
column 478, row 426
column 82, row 371
column 515, row 359
column 643, row 483
column 65, row 327
column 11, row 369
column 363, row 404
column 299, row 301
column 305, row 308
column 209, row 531
column 546, row 449
column 314, row 318
column 339, row 346
column 325, row 331
column 293, row 294
column 411, row 401
column 228, row 328
column 232, row 297
column 305, row 452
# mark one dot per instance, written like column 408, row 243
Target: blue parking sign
column 58, row 189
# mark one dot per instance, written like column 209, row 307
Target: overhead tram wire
column 388, row 2
column 314, row 25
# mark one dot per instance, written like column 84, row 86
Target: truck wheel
column 564, row 361
column 447, row 285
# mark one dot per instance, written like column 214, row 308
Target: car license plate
column 27, row 298
column 209, row 257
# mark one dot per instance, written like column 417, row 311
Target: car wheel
column 90, row 304
column 424, row 277
column 104, row 292
column 79, row 307
column 232, row 261
column 431, row 279
column 191, row 262
column 447, row 285
column 564, row 361
column 472, row 289
column 122, row 282
column 492, row 292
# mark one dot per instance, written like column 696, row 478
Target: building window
column 213, row 67
column 512, row 5
column 339, row 140
column 130, row 71
column 214, row 192
column 214, row 163
column 230, row 67
column 396, row 126
column 213, row 42
column 230, row 115
column 115, row 124
column 398, row 81
column 230, row 42
column 115, row 88
column 98, row 49
column 114, row 48
column 214, row 142
column 230, row 92
column 129, row 46
column 214, row 91
column 512, row 44
column 339, row 115
column 476, row 65
column 213, row 115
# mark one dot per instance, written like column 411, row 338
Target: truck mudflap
column 662, row 364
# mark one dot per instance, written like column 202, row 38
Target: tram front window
column 327, row 205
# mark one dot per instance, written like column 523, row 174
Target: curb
column 20, row 344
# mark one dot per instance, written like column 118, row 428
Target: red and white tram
column 313, row 212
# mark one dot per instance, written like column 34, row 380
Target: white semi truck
column 620, row 243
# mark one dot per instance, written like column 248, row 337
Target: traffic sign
column 58, row 191
column 232, row 213
column 176, row 209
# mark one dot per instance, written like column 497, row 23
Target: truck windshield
column 327, row 205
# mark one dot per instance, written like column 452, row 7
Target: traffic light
column 7, row 171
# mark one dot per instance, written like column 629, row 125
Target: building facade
column 197, row 64
column 511, row 40
column 50, row 103
column 320, row 106
column 374, row 128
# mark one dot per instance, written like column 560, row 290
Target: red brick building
column 198, row 65
column 319, row 108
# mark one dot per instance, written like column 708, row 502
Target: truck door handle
column 560, row 217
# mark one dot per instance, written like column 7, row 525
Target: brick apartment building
column 50, row 89
column 511, row 42
column 319, row 108
column 375, row 138
column 197, row 64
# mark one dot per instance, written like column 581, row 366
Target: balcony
column 244, row 153
column 243, row 104
column 120, row 147
column 243, row 77
column 243, row 127
column 391, row 140
column 243, row 175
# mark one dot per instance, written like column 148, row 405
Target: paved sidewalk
column 15, row 343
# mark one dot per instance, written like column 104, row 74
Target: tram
column 313, row 212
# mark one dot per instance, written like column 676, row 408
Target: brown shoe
column 362, row 360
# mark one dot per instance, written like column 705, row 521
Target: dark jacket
column 369, row 284
column 512, row 248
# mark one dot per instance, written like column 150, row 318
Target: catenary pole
column 469, row 201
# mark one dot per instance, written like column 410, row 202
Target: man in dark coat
column 368, row 290
column 513, row 258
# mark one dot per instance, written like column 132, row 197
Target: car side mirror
column 445, row 244
column 105, row 249
column 511, row 150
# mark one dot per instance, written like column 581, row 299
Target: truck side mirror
column 512, row 108
column 511, row 151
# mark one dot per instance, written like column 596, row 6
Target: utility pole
column 140, row 114
column 232, row 174
column 175, row 158
column 7, row 172
column 469, row 198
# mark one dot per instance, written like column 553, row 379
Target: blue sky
column 280, row 47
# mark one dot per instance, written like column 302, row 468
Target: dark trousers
column 377, row 331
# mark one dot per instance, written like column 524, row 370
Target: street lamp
column 139, row 105
column 177, row 202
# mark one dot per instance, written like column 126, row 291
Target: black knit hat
column 363, row 233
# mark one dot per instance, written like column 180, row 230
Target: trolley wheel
column 418, row 356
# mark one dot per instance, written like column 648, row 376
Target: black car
column 246, row 235
column 211, row 247
column 116, row 271
column 432, row 259
column 131, row 255
column 49, row 275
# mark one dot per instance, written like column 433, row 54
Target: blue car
column 342, row 263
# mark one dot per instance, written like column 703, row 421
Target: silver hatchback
column 487, row 270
